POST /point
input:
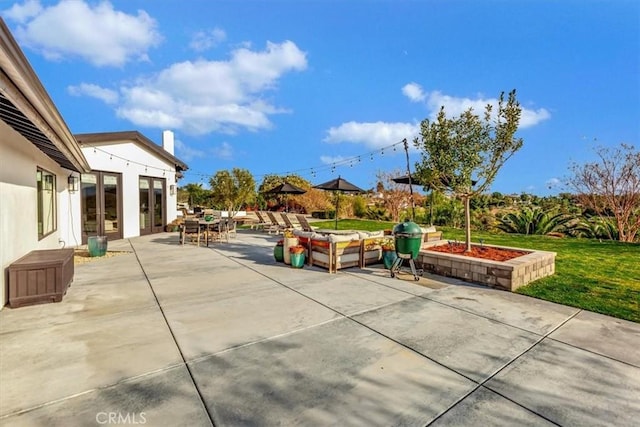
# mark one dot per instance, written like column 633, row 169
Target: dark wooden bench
column 40, row 276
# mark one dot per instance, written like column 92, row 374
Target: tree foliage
column 194, row 194
column 610, row 187
column 462, row 155
column 233, row 189
column 310, row 201
column 394, row 197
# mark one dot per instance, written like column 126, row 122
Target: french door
column 101, row 194
column 152, row 207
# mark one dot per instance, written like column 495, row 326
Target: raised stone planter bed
column 507, row 275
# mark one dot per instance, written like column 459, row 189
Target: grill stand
column 397, row 264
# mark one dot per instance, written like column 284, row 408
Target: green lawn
column 597, row 276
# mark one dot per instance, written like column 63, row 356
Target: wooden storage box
column 40, row 276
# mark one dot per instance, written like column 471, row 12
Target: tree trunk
column 467, row 222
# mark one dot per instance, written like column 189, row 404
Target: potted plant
column 289, row 240
column 297, row 256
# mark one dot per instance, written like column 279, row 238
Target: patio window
column 46, row 187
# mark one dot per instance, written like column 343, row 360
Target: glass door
column 101, row 205
column 152, row 205
column 144, row 189
column 112, row 222
column 89, row 195
column 158, row 206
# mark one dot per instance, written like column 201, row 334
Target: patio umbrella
column 286, row 188
column 337, row 185
column 404, row 179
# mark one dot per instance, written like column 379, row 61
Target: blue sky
column 322, row 87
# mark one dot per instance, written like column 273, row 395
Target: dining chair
column 231, row 228
column 191, row 228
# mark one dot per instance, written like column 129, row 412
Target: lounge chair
column 304, row 223
column 275, row 226
column 288, row 222
column 260, row 222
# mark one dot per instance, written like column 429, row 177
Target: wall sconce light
column 172, row 190
column 72, row 182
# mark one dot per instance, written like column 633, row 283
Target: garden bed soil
column 484, row 252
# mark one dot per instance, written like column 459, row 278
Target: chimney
column 167, row 141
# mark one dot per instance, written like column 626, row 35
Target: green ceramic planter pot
column 278, row 253
column 297, row 260
column 388, row 258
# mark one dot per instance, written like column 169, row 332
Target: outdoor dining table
column 206, row 226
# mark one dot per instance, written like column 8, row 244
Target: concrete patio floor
column 165, row 335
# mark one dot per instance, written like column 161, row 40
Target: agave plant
column 595, row 228
column 533, row 221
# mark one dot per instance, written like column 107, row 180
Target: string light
column 129, row 161
column 314, row 170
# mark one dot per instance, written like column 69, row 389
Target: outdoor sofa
column 335, row 250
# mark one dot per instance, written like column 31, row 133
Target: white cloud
column 414, row 92
column 374, row 135
column 205, row 40
column 455, row 106
column 553, row 183
column 22, row 12
column 223, row 151
column 186, row 153
column 73, row 28
column 108, row 96
column 213, row 96
column 327, row 160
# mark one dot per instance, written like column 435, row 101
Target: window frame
column 41, row 193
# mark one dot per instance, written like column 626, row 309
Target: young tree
column 463, row 154
column 611, row 188
column 233, row 189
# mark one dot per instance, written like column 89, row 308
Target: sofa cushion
column 305, row 234
column 334, row 238
column 371, row 234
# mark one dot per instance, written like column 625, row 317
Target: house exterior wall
column 113, row 157
column 19, row 160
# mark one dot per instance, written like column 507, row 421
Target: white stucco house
column 132, row 187
column 56, row 191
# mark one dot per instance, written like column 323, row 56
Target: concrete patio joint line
column 500, row 369
column 184, row 360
